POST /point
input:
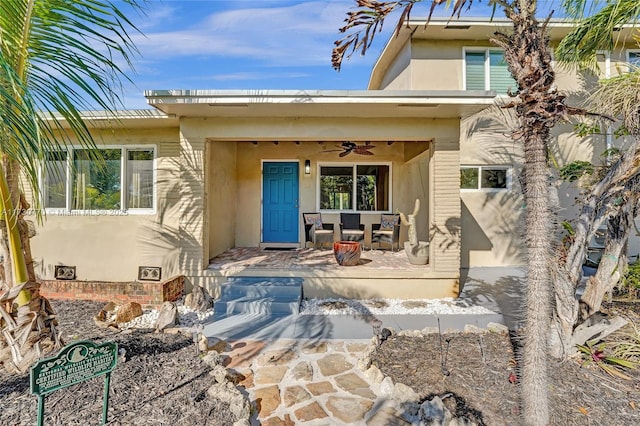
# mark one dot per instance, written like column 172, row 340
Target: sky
column 249, row 44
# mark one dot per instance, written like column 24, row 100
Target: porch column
column 445, row 212
column 192, row 197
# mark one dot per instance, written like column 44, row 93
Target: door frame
column 262, row 163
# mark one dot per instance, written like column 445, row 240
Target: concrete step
column 258, row 295
column 265, row 305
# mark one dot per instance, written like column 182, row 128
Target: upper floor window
column 490, row 178
column 486, row 69
column 118, row 178
column 359, row 187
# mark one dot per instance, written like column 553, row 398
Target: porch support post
column 193, row 197
column 445, row 212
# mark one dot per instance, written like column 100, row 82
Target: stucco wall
column 110, row 247
column 222, row 196
column 406, row 182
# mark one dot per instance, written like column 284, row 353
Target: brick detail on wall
column 148, row 293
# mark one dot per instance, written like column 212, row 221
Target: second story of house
column 458, row 55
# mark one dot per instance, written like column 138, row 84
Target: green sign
column 75, row 363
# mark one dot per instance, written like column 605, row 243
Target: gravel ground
column 162, row 381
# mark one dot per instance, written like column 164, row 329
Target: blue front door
column 280, row 202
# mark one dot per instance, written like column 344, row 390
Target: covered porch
column 379, row 274
column 253, row 163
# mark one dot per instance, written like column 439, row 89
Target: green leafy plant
column 575, row 170
column 629, row 347
column 594, row 353
column 629, row 284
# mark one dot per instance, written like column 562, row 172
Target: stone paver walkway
column 314, row 383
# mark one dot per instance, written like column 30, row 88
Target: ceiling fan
column 347, row 148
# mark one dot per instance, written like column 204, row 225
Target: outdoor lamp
column 307, row 167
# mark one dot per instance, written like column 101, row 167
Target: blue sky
column 248, row 44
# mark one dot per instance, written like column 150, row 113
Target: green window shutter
column 474, row 70
column 499, row 75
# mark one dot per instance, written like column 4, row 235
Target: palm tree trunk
column 29, row 331
column 538, row 294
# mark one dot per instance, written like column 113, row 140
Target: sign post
column 75, row 363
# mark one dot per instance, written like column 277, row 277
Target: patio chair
column 315, row 231
column 350, row 228
column 387, row 231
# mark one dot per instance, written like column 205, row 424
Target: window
column 490, row 178
column 486, row 69
column 359, row 187
column 633, row 58
column 103, row 179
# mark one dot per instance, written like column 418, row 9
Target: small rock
column 109, row 307
column 374, row 374
column 410, row 333
column 434, row 413
column 199, row 299
column 430, row 330
column 212, row 359
column 219, row 373
column 212, row 344
column 167, row 317
column 471, row 328
column 364, row 360
column 128, row 312
column 403, row 393
column 228, row 393
column 101, row 316
column 386, row 387
column 495, row 327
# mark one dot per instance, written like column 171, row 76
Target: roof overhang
column 468, row 29
column 320, row 103
column 130, row 119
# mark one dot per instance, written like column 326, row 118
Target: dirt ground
column 164, row 382
column 477, row 376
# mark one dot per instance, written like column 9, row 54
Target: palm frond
column 594, row 32
column 57, row 58
column 619, row 96
column 369, row 19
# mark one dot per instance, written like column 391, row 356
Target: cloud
column 301, row 34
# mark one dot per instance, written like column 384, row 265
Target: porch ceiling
column 315, row 103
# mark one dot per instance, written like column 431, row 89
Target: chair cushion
column 352, row 232
column 314, row 219
column 388, row 221
column 385, row 232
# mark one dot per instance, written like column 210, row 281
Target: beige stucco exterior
column 211, row 147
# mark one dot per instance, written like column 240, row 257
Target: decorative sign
column 75, row 363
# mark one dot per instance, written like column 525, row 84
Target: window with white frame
column 487, row 178
column 114, row 178
column 359, row 187
column 633, row 58
column 486, row 69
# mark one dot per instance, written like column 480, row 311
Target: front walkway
column 304, row 369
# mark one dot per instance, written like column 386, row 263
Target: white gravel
column 187, row 317
column 446, row 306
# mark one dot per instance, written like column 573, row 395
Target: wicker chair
column 387, row 231
column 315, row 231
column 350, row 228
